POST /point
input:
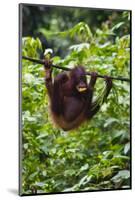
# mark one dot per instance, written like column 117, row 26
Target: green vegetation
column 97, row 155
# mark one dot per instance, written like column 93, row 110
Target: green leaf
column 127, row 148
column 123, row 174
column 84, row 167
column 117, row 26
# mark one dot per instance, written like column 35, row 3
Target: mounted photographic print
column 74, row 116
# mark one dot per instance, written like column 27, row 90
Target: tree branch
column 43, row 62
column 68, row 69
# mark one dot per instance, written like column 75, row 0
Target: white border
column 9, row 99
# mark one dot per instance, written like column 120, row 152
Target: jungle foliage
column 97, row 155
